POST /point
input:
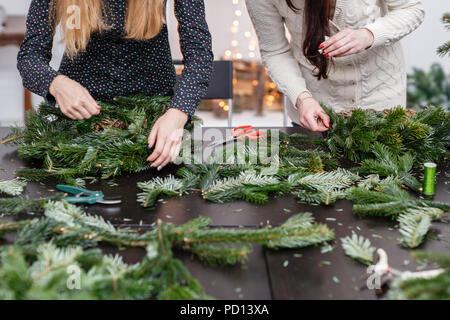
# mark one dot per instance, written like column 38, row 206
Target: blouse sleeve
column 35, row 53
column 276, row 52
column 196, row 47
column 402, row 18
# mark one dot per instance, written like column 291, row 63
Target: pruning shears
column 242, row 132
column 80, row 195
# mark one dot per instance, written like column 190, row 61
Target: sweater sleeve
column 35, row 53
column 402, row 18
column 276, row 53
column 196, row 47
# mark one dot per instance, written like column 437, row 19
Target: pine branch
column 319, row 196
column 248, row 185
column 414, row 225
column 220, row 255
column 12, row 187
column 298, row 231
column 398, row 130
column 373, row 182
column 39, row 270
column 390, row 200
column 388, row 164
column 443, row 259
column 358, row 248
column 156, row 187
column 334, row 180
column 20, row 205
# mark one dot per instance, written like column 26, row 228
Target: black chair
column 221, row 85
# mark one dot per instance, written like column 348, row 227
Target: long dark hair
column 317, row 13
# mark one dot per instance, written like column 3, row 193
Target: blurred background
column 256, row 99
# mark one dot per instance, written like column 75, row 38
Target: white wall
column 420, row 47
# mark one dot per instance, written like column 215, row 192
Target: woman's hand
column 347, row 42
column 311, row 115
column 73, row 99
column 166, row 136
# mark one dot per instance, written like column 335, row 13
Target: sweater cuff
column 380, row 33
column 47, row 83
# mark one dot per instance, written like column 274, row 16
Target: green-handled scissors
column 81, row 195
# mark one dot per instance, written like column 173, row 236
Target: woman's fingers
column 338, row 46
column 311, row 123
column 324, row 119
column 152, row 136
column 316, row 122
column 175, row 151
column 343, row 49
column 354, row 49
column 83, row 111
column 76, row 114
column 159, row 148
column 93, row 102
column 164, row 155
column 90, row 107
column 337, row 37
column 69, row 114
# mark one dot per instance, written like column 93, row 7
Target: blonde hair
column 80, row 18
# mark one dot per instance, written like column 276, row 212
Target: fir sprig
column 388, row 164
column 415, row 223
column 152, row 189
column 398, row 130
column 388, row 200
column 358, row 248
column 12, row 187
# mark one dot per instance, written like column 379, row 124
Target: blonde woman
column 118, row 48
column 360, row 65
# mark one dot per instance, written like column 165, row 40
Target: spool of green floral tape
column 429, row 179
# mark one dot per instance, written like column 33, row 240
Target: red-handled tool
column 242, row 132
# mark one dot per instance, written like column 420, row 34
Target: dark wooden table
column 285, row 274
column 13, row 35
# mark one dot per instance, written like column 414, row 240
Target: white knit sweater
column 374, row 78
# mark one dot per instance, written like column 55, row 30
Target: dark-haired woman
column 344, row 53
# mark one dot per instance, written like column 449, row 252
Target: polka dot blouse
column 114, row 66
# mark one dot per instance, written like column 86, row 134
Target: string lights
column 244, row 46
column 236, row 50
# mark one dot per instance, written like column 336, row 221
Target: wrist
column 370, row 38
column 305, row 95
column 54, row 86
column 180, row 117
